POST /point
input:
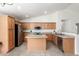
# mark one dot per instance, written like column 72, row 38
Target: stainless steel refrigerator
column 18, row 32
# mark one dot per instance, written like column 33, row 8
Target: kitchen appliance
column 77, row 40
column 37, row 28
column 77, row 28
column 60, row 43
column 18, row 40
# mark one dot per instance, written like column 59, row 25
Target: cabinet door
column 50, row 37
column 51, row 25
column 11, row 22
column 11, row 39
column 68, row 45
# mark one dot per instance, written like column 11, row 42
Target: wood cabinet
column 25, row 26
column 11, row 23
column 36, row 43
column 11, row 30
column 68, row 45
column 65, row 44
column 11, row 39
column 49, row 37
column 43, row 25
column 51, row 25
column 7, row 35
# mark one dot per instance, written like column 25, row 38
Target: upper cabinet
column 11, row 22
column 51, row 25
column 43, row 25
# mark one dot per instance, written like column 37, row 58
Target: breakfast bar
column 36, row 43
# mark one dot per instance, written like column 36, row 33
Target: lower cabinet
column 49, row 37
column 36, row 44
column 65, row 44
column 68, row 45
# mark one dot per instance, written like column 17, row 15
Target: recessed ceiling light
column 45, row 12
column 27, row 16
column 19, row 8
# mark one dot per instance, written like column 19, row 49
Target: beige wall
column 71, row 18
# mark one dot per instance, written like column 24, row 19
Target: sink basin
column 61, row 34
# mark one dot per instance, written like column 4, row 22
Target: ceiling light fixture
column 19, row 8
column 27, row 16
column 3, row 4
column 45, row 12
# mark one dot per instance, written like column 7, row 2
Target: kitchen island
column 36, row 43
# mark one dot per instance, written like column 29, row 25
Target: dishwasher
column 60, row 43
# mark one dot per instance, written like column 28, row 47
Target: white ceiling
column 21, row 10
column 74, row 7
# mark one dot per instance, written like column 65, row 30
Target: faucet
column 31, row 31
column 54, row 32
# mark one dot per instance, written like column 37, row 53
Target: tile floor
column 22, row 51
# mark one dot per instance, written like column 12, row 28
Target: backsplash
column 41, row 31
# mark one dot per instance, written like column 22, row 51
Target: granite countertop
column 35, row 36
column 45, row 36
column 66, row 36
column 41, row 31
column 48, row 32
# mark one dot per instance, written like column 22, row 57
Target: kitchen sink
column 60, row 34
